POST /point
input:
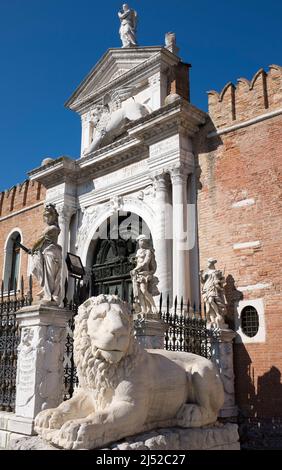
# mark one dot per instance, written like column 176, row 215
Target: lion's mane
column 93, row 371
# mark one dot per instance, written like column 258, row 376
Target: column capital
column 161, row 181
column 179, row 174
column 65, row 212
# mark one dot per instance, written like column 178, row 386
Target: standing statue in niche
column 128, row 26
column 213, row 294
column 143, row 280
column 47, row 258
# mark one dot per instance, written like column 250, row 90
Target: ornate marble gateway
column 136, row 159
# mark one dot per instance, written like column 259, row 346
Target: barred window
column 249, row 321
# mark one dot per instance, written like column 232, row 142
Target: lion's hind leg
column 194, row 416
column 206, row 396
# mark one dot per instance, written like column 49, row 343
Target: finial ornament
column 170, row 43
column 128, row 26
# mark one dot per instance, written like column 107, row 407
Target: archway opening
column 114, row 254
column 12, row 262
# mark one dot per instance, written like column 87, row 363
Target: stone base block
column 13, row 427
column 150, row 332
column 218, row 437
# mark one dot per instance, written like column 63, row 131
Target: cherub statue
column 128, row 26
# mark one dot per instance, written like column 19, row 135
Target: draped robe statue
column 47, row 258
column 213, row 294
column 128, row 26
column 143, row 280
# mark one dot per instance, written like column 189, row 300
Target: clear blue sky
column 48, row 46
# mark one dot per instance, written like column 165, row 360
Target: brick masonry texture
column 21, row 208
column 236, row 166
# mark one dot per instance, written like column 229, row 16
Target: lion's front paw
column 77, row 434
column 49, row 419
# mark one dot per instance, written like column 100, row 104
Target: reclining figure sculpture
column 108, row 124
column 125, row 390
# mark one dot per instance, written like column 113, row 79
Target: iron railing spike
column 161, row 303
column 15, row 288
column 22, row 287
column 30, row 289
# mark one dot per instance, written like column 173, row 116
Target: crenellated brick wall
column 248, row 99
column 21, row 208
column 240, row 223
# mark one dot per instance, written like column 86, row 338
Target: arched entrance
column 114, row 254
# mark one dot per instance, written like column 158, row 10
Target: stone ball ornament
column 123, row 388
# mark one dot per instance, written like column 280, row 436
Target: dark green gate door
column 111, row 269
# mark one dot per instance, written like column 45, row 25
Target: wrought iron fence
column 10, row 302
column 81, row 293
column 187, row 331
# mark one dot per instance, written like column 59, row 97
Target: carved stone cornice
column 64, row 169
column 173, row 119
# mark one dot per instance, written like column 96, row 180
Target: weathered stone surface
column 210, row 438
column 31, row 443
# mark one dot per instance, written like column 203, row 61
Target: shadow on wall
column 260, row 408
column 206, row 142
column 260, row 403
column 233, row 297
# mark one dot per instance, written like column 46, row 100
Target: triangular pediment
column 114, row 67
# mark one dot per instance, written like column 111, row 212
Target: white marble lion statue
column 124, row 389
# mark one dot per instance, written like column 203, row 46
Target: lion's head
column 105, row 349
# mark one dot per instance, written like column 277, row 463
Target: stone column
column 65, row 213
column 162, row 243
column 222, row 356
column 40, row 369
column 181, row 268
column 86, row 131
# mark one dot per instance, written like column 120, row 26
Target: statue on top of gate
column 128, row 26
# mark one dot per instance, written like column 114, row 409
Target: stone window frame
column 8, row 258
column 241, row 337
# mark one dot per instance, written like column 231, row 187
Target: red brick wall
column 239, row 165
column 21, row 208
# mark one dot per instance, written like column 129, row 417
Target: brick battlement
column 248, row 99
column 21, row 196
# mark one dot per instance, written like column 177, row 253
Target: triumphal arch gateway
column 137, row 172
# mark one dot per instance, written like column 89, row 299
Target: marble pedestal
column 40, row 368
column 217, row 437
column 222, row 356
column 150, row 332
